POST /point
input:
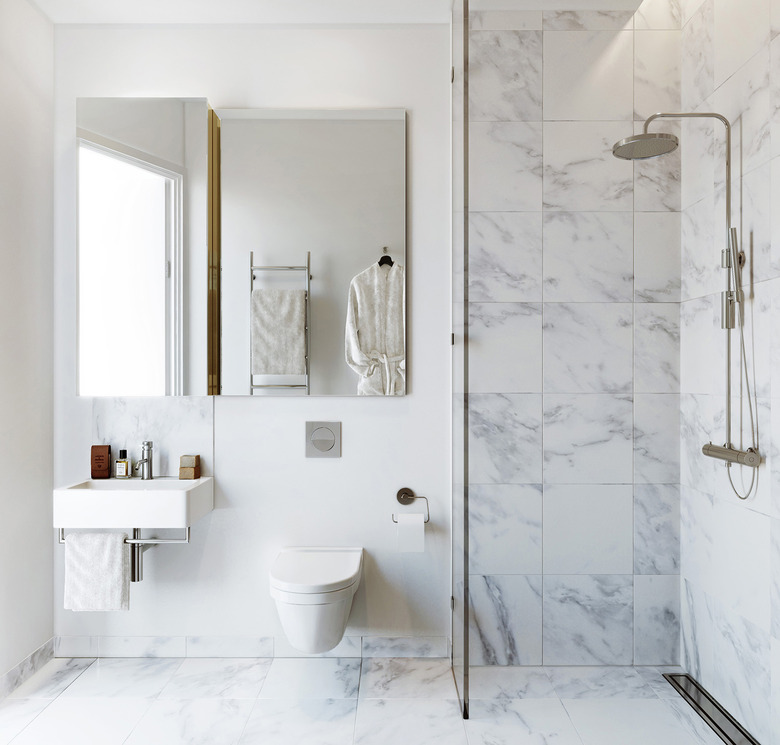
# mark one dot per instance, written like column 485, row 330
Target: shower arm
column 731, row 262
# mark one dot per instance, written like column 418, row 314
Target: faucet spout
column 145, row 464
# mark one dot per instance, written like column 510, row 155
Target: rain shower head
column 648, row 145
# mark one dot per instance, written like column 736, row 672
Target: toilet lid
column 311, row 569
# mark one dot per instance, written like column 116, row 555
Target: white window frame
column 174, row 240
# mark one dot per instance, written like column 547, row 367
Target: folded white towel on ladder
column 97, row 572
column 278, row 332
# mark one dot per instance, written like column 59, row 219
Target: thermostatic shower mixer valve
column 651, row 145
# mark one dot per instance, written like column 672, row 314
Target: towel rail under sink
column 137, row 547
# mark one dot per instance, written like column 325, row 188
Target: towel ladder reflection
column 306, row 385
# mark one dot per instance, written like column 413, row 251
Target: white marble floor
column 341, row 702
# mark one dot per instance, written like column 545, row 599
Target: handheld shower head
column 648, row 145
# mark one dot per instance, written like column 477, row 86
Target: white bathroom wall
column 731, row 548
column 267, row 493
column 26, row 89
column 573, row 387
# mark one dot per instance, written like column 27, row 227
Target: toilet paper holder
column 407, row 496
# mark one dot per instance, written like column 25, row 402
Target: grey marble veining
column 588, row 619
column 506, row 166
column 755, row 222
column 142, row 646
column 199, row 722
column 580, row 20
column 52, row 679
column 656, row 438
column 505, row 436
column 511, row 332
column 588, row 347
column 588, row 257
column 654, row 677
column 176, row 424
column 657, row 348
column 505, row 683
column 656, row 72
column 658, row 181
column 588, row 529
column 506, row 620
column 505, row 256
column 541, row 722
column 312, row 678
column 26, row 668
column 701, row 421
column 588, row 439
column 698, row 65
column 580, row 173
column 741, row 674
column 697, row 530
column 230, row 646
column 657, row 619
column 217, row 678
column 656, row 529
column 123, row 678
column 599, row 682
column 699, row 255
column 498, row 90
column 691, row 722
column 384, row 678
column 699, row 172
column 702, row 343
column 657, row 257
column 505, row 529
column 578, row 86
column 404, row 646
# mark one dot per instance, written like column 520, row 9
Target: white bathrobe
column 375, row 334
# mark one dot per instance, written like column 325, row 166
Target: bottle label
column 121, row 468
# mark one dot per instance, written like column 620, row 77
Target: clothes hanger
column 385, row 258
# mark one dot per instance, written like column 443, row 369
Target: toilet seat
column 312, row 570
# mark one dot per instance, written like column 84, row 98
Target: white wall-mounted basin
column 133, row 503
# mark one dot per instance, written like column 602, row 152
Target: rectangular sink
column 133, row 503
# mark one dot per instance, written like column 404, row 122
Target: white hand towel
column 278, row 332
column 97, row 572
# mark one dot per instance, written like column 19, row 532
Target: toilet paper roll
column 411, row 532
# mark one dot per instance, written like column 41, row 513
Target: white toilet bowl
column 313, row 588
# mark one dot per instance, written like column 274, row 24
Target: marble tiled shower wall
column 731, row 549
column 574, row 291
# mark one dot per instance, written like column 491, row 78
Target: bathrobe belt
column 391, row 370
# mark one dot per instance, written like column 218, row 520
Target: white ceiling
column 292, row 11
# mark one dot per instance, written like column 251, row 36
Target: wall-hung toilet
column 313, row 588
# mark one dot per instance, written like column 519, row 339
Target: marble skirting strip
column 27, row 667
column 236, row 646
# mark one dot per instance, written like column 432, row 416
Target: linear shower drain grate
column 722, row 723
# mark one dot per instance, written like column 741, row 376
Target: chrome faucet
column 145, row 464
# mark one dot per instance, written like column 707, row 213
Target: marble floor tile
column 599, row 682
column 497, row 682
column 52, row 679
column 314, row 722
column 639, row 722
column 194, row 722
column 16, row 714
column 520, row 722
column 123, row 677
column 691, row 722
column 218, row 678
column 419, row 720
column 306, row 678
column 654, row 677
column 85, row 721
column 397, row 677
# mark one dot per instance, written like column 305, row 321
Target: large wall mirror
column 313, row 252
column 142, row 246
column 300, row 292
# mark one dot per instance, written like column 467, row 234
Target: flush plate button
column 323, row 439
